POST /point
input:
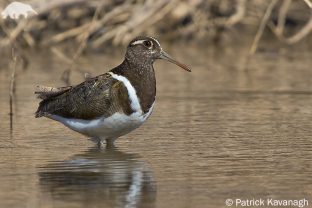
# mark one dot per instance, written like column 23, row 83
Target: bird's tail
column 46, row 93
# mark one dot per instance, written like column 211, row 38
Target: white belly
column 106, row 128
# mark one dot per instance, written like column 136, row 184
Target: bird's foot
column 104, row 143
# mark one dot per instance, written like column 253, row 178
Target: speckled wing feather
column 45, row 92
column 94, row 98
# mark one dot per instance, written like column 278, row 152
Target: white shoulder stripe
column 135, row 103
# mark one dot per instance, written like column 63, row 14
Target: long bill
column 165, row 56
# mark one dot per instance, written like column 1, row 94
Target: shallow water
column 223, row 131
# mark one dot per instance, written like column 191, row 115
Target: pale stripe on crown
column 137, row 42
column 142, row 40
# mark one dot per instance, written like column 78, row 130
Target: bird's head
column 146, row 50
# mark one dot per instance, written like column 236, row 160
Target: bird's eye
column 148, row 44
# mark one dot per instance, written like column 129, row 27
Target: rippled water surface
column 223, row 131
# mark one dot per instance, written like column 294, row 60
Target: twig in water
column 279, row 29
column 15, row 10
column 239, row 14
column 12, row 86
column 301, row 34
column 264, row 21
column 309, row 3
column 282, row 17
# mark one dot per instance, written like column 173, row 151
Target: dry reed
column 117, row 22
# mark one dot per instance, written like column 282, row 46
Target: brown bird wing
column 94, row 98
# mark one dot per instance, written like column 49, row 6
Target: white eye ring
column 148, row 44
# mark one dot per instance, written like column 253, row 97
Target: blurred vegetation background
column 94, row 23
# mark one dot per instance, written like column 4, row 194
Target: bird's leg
column 110, row 143
column 99, row 142
column 103, row 142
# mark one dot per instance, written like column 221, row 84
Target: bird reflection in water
column 99, row 177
